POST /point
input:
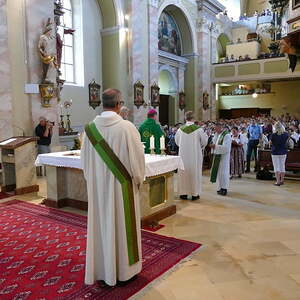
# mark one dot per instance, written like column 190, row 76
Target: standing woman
column 279, row 152
column 237, row 163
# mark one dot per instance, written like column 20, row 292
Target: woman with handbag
column 279, row 152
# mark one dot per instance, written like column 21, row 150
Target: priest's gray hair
column 279, row 128
column 111, row 98
column 189, row 116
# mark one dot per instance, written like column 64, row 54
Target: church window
column 67, row 61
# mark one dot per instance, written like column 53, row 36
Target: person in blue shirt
column 254, row 134
column 279, row 152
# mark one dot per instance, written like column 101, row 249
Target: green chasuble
column 217, row 159
column 189, row 129
column 120, row 172
column 147, row 129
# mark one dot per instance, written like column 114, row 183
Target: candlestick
column 152, row 145
column 162, row 142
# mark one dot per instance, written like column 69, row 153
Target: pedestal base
column 67, row 187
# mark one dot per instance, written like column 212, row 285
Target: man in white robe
column 221, row 147
column 191, row 140
column 113, row 162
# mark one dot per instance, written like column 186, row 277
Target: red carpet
column 153, row 228
column 42, row 256
column 5, row 195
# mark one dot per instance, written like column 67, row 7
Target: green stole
column 189, row 128
column 217, row 159
column 120, row 172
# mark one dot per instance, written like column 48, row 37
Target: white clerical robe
column 223, row 177
column 106, row 252
column 191, row 148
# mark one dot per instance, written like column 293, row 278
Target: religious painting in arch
column 169, row 38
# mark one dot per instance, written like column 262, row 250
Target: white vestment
column 106, row 252
column 223, row 177
column 191, row 152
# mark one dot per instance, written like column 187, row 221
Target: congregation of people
column 247, row 135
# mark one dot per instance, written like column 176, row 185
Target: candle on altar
column 162, row 143
column 61, row 109
column 152, row 146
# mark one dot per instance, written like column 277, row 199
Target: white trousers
column 279, row 163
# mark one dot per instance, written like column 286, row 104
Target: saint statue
column 48, row 53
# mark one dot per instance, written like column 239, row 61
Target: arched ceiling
column 109, row 15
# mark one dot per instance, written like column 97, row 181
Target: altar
column 66, row 185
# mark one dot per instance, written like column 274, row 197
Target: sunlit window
column 67, row 60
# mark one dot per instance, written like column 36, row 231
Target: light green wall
column 108, row 12
column 258, row 5
column 285, row 97
column 111, row 61
column 189, row 84
column 22, row 120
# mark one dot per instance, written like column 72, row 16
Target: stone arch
column 222, row 41
column 111, row 13
column 184, row 22
column 166, row 69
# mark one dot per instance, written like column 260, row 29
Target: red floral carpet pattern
column 153, row 228
column 42, row 256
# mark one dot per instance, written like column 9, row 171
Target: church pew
column 292, row 162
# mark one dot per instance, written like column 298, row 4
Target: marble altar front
column 66, row 185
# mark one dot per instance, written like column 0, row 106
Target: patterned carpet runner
column 42, row 256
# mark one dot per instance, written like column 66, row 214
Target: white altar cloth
column 155, row 164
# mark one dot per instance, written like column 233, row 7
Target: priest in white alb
column 113, row 163
column 191, row 140
column 221, row 147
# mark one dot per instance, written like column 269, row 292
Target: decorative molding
column 171, row 56
column 110, row 30
column 210, row 6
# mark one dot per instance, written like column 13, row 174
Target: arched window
column 67, row 60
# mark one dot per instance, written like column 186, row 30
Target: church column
column 6, row 129
column 203, row 67
column 139, row 55
column 206, row 38
column 153, row 47
column 213, row 108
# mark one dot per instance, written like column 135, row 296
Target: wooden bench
column 292, row 161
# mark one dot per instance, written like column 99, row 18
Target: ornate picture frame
column 181, row 100
column 138, row 94
column 94, row 94
column 205, row 100
column 155, row 95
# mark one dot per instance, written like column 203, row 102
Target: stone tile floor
column 251, row 243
